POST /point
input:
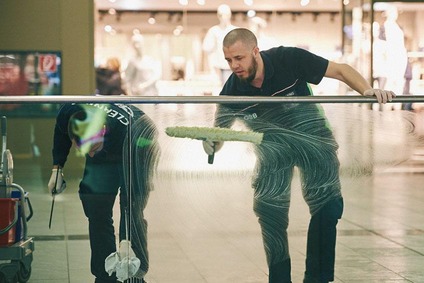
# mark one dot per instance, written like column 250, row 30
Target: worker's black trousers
column 320, row 254
column 98, row 209
column 98, row 190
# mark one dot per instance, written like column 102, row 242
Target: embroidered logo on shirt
column 250, row 116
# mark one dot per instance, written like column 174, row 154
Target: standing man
column 295, row 135
column 120, row 146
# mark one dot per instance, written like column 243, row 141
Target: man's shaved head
column 244, row 35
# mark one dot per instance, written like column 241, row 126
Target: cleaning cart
column 16, row 248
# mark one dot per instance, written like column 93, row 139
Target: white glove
column 56, row 183
column 211, row 147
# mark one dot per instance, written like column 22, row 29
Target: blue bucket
column 19, row 232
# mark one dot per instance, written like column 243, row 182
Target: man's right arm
column 61, row 147
column 351, row 77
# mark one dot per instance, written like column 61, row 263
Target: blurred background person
column 108, row 78
column 397, row 57
column 212, row 43
column 379, row 60
column 142, row 71
column 379, row 56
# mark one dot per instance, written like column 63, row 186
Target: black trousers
column 320, row 252
column 98, row 209
column 298, row 137
column 321, row 245
column 98, row 190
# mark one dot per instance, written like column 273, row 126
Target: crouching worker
column 120, row 146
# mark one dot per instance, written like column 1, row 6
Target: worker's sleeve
column 61, row 144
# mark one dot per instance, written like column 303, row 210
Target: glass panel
column 203, row 223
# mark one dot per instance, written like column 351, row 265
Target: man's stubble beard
column 251, row 71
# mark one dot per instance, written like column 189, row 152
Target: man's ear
column 256, row 51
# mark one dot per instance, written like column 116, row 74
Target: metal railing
column 21, row 99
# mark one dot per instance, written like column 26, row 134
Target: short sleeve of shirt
column 307, row 66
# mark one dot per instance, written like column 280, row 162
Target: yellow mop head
column 214, row 134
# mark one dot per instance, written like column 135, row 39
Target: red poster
column 47, row 63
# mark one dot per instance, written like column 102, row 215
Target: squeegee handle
column 211, row 157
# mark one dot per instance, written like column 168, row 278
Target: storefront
column 385, row 40
column 173, row 37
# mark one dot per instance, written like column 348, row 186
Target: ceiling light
column 178, row 30
column 304, row 2
column 151, row 20
column 108, row 28
column 251, row 13
column 248, row 2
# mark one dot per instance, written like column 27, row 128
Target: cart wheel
column 24, row 273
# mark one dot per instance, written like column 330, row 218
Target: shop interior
column 338, row 31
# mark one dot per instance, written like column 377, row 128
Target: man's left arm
column 351, row 77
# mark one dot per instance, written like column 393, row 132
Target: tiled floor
column 202, row 227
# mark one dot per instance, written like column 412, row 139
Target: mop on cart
column 16, row 248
